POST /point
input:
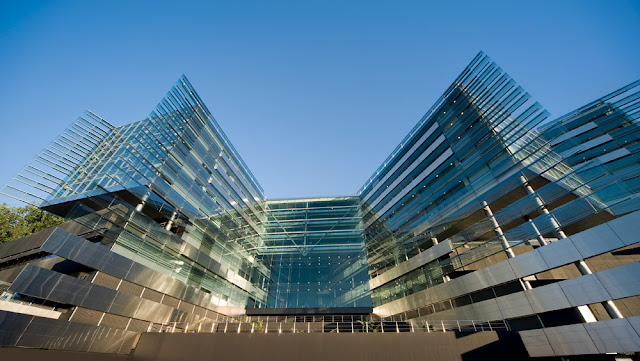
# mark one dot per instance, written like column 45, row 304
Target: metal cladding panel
column 117, row 265
column 486, row 310
column 559, row 253
column 398, row 306
column 165, row 284
column 621, row 281
column 109, row 340
column 124, row 304
column 547, row 298
column 35, row 281
column 615, row 335
column 635, row 323
column 68, row 290
column 468, row 312
column 79, row 250
column 45, row 333
column 12, row 325
column 91, row 255
column 46, row 284
column 499, row 273
column 570, row 340
column 61, row 243
column 169, row 285
column 140, row 274
column 151, row 311
column 30, row 242
column 528, row 263
column 442, row 291
column 99, row 298
column 9, row 337
column 536, row 343
column 596, row 240
column 80, row 337
column 50, row 285
column 471, row 282
column 584, row 290
column 627, row 228
column 25, row 280
column 514, row 305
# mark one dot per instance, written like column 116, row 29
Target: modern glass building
column 482, row 220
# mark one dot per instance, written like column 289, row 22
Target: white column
column 171, row 220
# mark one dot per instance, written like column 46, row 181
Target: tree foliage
column 16, row 222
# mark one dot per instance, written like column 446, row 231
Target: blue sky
column 313, row 94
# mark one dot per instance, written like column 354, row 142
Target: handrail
column 331, row 327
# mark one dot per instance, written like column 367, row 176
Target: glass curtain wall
column 315, row 251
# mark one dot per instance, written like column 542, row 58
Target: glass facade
column 464, row 145
column 480, row 213
column 315, row 251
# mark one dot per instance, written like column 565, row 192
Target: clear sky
column 313, row 94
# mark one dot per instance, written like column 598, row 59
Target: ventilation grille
column 131, row 288
column 138, row 325
column 85, row 315
column 152, row 295
column 103, row 279
column 114, row 321
column 170, row 301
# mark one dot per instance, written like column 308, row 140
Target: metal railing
column 332, row 327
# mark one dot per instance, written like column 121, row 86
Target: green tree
column 16, row 222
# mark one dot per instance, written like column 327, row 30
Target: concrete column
column 543, row 208
column 498, row 230
column 539, row 237
column 612, row 310
column 584, row 269
column 505, row 244
column 525, row 284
